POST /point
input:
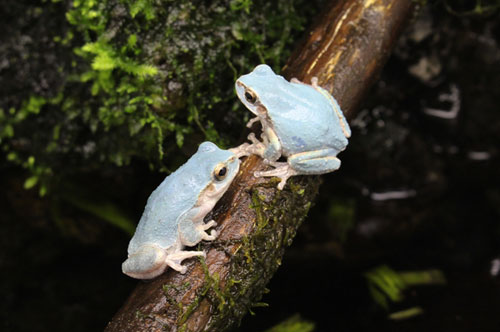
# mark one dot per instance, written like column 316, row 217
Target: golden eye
column 220, row 172
column 250, row 97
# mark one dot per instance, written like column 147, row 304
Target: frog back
column 176, row 195
column 306, row 119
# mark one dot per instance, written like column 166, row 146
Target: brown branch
column 345, row 50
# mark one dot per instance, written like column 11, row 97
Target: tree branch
column 345, row 49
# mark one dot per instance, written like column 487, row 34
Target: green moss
column 278, row 215
column 211, row 284
column 406, row 314
column 133, row 79
column 293, row 324
column 387, row 285
column 471, row 8
column 341, row 217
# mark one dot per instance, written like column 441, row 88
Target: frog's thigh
column 189, row 233
column 315, row 162
column 146, row 263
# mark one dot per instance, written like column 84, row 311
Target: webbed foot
column 282, row 171
column 204, row 235
column 252, row 121
column 174, row 260
column 242, row 150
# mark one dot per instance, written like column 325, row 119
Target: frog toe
column 211, row 237
column 283, row 171
column 175, row 260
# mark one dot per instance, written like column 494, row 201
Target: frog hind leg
column 307, row 163
column 148, row 262
column 315, row 162
column 192, row 231
column 282, row 171
column 174, row 260
column 346, row 130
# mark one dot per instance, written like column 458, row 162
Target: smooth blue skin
column 173, row 216
column 299, row 121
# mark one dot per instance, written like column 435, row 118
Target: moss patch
column 92, row 84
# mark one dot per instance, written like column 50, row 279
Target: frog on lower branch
column 299, row 121
column 173, row 217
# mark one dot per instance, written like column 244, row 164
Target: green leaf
column 132, row 40
column 146, row 70
column 31, row 182
column 179, row 138
column 136, row 7
column 43, row 190
column 91, row 48
column 293, row 324
column 8, row 131
column 103, row 209
column 103, row 62
column 406, row 314
column 11, row 156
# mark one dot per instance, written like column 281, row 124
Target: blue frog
column 173, row 217
column 299, row 121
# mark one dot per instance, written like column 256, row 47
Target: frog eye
column 220, row 172
column 250, row 97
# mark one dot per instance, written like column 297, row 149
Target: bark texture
column 345, row 49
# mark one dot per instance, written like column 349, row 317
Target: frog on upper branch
column 299, row 121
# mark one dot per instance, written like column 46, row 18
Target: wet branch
column 345, row 49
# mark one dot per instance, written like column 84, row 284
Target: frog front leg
column 272, row 151
column 192, row 229
column 269, row 149
column 252, row 121
column 315, row 162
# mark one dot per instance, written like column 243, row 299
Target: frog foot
column 252, row 121
column 314, row 81
column 251, row 137
column 211, row 237
column 282, row 171
column 174, row 260
column 242, row 150
column 204, row 235
column 246, row 149
column 209, row 224
column 151, row 261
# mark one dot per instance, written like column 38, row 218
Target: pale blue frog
column 299, row 121
column 173, row 217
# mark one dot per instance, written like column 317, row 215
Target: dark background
column 60, row 266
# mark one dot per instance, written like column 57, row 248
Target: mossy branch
column 256, row 222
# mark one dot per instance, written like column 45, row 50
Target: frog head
column 219, row 167
column 261, row 90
